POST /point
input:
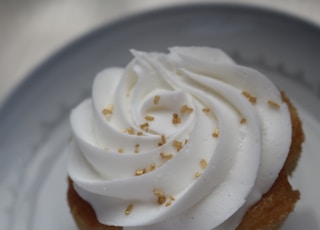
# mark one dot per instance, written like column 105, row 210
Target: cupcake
column 183, row 140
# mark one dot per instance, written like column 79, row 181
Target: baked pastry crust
column 269, row 213
column 83, row 213
column 280, row 200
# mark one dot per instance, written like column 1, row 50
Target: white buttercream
column 243, row 161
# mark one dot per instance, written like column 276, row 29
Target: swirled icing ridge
column 182, row 140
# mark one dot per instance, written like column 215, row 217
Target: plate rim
column 108, row 27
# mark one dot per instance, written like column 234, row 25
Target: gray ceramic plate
column 34, row 127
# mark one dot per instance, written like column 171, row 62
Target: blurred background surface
column 33, row 30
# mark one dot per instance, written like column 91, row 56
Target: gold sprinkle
column 149, row 118
column 158, row 192
column 206, row 110
column 123, row 130
column 130, row 130
column 161, row 199
column 203, row 164
column 178, row 145
column 161, row 196
column 274, row 104
column 166, row 156
column 243, row 120
column 152, row 166
column 145, row 126
column 251, row 98
column 172, row 198
column 139, row 133
column 163, row 140
column 156, row 99
column 186, row 109
column 108, row 110
column 168, row 203
column 246, row 94
column 216, row 132
column 120, row 150
column 129, row 209
column 176, row 119
column 139, row 172
column 198, row 174
column 136, row 148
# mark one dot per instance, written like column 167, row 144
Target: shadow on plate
column 302, row 219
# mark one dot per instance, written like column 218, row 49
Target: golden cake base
column 268, row 213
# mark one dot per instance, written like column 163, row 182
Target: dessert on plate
column 183, row 140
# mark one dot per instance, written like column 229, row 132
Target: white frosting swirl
column 214, row 178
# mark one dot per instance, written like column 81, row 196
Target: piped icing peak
column 180, row 140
